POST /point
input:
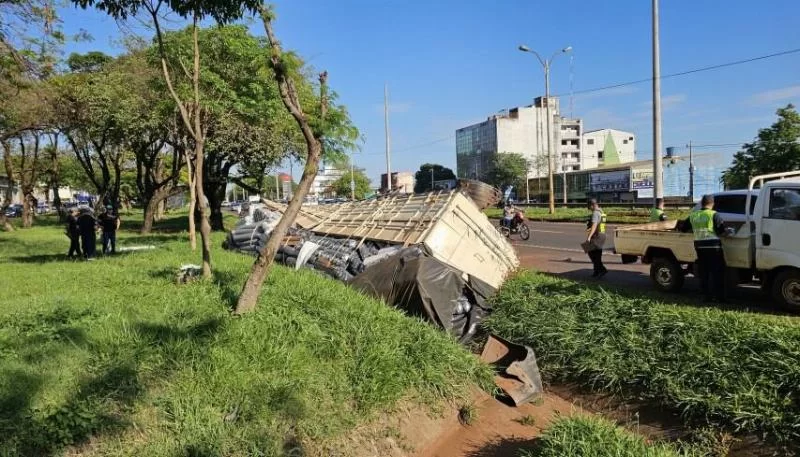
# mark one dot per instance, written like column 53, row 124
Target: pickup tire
column 667, row 274
column 786, row 289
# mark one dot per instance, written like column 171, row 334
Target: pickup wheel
column 786, row 289
column 666, row 274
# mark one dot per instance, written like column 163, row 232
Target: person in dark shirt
column 87, row 225
column 109, row 222
column 74, row 234
column 707, row 227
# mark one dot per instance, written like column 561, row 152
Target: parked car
column 14, row 211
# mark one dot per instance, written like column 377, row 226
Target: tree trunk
column 28, row 207
column 9, row 194
column 161, row 210
column 258, row 273
column 205, row 226
column 252, row 288
column 216, row 195
column 151, row 210
column 192, row 205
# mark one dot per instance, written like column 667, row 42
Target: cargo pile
column 435, row 256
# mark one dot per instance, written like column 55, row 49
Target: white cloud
column 775, row 95
column 667, row 102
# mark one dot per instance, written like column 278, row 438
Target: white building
column 326, row 176
column 608, row 147
column 524, row 130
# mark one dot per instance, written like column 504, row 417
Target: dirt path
column 499, row 430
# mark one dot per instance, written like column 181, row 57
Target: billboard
column 610, row 181
column 642, row 183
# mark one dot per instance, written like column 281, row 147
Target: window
column 784, row 204
column 590, row 141
column 600, row 155
column 624, row 141
column 733, row 204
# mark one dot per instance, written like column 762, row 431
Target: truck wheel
column 666, row 274
column 786, row 289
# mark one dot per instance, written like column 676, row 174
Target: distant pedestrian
column 87, row 225
column 74, row 234
column 109, row 222
column 596, row 238
column 657, row 213
column 707, row 227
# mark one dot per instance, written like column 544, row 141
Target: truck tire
column 786, row 289
column 666, row 274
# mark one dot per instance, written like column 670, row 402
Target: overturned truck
column 436, row 255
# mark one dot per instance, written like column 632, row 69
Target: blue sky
column 452, row 63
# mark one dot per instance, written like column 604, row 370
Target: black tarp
column 425, row 287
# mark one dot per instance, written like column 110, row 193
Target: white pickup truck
column 765, row 248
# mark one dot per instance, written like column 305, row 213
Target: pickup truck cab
column 766, row 247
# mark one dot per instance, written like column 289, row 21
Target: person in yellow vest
column 657, row 212
column 707, row 227
column 596, row 238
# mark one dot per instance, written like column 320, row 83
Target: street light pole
column 658, row 176
column 546, row 65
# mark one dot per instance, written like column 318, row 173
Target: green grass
column 584, row 436
column 111, row 357
column 616, row 215
column 730, row 369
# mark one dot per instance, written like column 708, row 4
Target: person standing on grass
column 87, row 225
column 657, row 213
column 596, row 238
column 73, row 233
column 707, row 227
column 109, row 222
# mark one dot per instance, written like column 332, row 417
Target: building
column 633, row 181
column 326, row 176
column 607, row 147
column 524, row 130
column 402, row 181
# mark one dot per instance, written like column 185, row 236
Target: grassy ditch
column 114, row 353
column 735, row 370
column 616, row 215
column 584, row 436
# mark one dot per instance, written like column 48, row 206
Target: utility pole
column 691, row 173
column 658, row 176
column 564, row 177
column 527, row 181
column 388, row 141
column 352, row 179
column 431, row 179
column 551, row 196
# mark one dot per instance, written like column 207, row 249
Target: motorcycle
column 517, row 226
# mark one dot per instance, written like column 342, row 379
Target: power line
column 688, row 72
column 640, row 81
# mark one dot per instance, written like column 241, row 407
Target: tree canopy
column 508, row 169
column 422, row 178
column 775, row 149
column 342, row 186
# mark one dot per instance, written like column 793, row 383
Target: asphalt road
column 564, row 236
column 555, row 248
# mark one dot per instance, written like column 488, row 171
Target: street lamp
column 546, row 65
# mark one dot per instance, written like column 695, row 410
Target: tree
column 88, row 108
column 422, row 179
column 316, row 128
column 91, row 62
column 507, row 169
column 190, row 106
column 776, row 149
column 343, row 188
